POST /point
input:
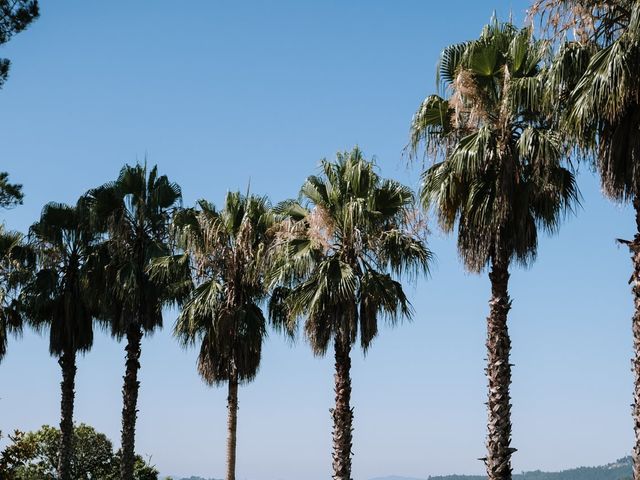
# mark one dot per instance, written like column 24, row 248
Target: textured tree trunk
column 498, row 460
column 635, row 256
column 342, row 413
column 67, row 363
column 130, row 401
column 232, row 425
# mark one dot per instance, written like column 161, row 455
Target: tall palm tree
column 227, row 251
column 17, row 261
column 499, row 177
column 134, row 211
column 61, row 298
column 340, row 251
column 603, row 116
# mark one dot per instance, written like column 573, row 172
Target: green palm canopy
column 228, row 254
column 340, row 251
column 498, row 177
column 602, row 88
column 498, row 174
column 17, row 261
column 61, row 297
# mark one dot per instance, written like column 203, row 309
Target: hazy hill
column 620, row 470
column 396, row 478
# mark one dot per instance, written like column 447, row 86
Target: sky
column 223, row 94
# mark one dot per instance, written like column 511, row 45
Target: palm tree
column 16, row 267
column 339, row 252
column 499, row 177
column 134, row 211
column 603, row 116
column 61, row 298
column 227, row 251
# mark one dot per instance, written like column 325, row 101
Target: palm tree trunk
column 130, row 401
column 67, row 363
column 635, row 256
column 342, row 413
column 498, row 460
column 232, row 425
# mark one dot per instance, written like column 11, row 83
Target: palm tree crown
column 16, row 267
column 344, row 243
column 135, row 211
column 228, row 252
column 604, row 114
column 499, row 173
column 61, row 296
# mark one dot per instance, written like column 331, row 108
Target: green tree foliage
column 192, row 478
column 341, row 250
column 35, row 456
column 16, row 455
column 15, row 16
column 10, row 193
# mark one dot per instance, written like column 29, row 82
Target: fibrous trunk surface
column 130, row 401
column 67, row 363
column 342, row 413
column 498, row 460
column 635, row 256
column 232, row 426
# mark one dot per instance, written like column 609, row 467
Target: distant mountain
column 620, row 470
column 396, row 478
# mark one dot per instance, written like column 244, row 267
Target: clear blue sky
column 220, row 93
